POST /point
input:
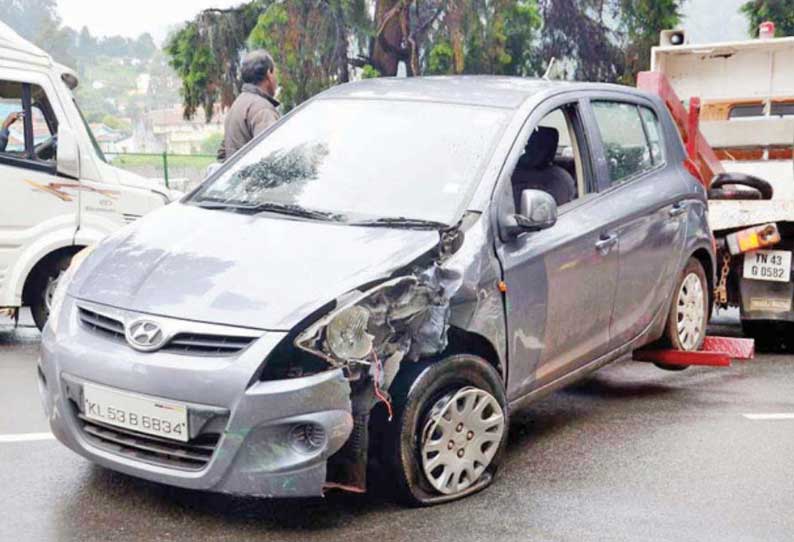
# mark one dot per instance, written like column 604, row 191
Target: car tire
column 432, row 401
column 689, row 313
column 44, row 283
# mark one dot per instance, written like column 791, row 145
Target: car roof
column 479, row 90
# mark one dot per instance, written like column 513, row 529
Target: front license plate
column 135, row 412
column 774, row 265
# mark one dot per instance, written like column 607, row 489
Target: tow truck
column 737, row 121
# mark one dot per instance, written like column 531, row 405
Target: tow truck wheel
column 689, row 312
column 765, row 333
column 44, row 284
column 449, row 429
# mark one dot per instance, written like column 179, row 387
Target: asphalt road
column 633, row 453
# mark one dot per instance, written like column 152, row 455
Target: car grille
column 193, row 343
column 181, row 343
column 101, row 324
column 193, row 455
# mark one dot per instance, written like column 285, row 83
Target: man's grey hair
column 256, row 65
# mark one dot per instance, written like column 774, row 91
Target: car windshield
column 364, row 160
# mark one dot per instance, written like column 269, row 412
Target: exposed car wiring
column 376, row 382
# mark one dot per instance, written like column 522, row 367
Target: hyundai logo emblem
column 145, row 335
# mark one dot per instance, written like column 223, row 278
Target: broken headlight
column 402, row 317
column 347, row 335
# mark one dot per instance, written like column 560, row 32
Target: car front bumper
column 249, row 424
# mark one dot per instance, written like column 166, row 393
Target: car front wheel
column 45, row 283
column 449, row 430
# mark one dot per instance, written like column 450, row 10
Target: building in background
column 180, row 136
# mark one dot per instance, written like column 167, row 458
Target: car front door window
column 560, row 286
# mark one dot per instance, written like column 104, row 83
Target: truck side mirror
column 68, row 153
column 538, row 212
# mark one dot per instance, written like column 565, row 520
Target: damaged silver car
column 363, row 294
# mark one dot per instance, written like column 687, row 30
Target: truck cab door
column 36, row 202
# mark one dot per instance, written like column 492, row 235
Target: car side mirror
column 538, row 212
column 68, row 153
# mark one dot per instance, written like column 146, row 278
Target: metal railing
column 180, row 171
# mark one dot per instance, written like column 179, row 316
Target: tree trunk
column 454, row 21
column 386, row 49
column 342, row 45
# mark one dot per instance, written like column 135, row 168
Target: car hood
column 266, row 272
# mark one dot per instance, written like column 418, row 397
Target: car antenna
column 549, row 68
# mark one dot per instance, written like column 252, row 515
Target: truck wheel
column 449, row 429
column 765, row 333
column 689, row 310
column 44, row 283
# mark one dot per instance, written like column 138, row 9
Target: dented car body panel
column 145, row 269
column 288, row 330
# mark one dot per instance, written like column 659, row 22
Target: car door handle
column 605, row 243
column 678, row 209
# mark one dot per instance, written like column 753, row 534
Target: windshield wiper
column 214, row 204
column 403, row 222
column 289, row 209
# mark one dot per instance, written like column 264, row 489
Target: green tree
column 59, row 41
column 86, row 43
column 641, row 21
column 780, row 12
column 144, row 46
column 205, row 53
column 576, row 34
column 303, row 58
column 29, row 17
column 502, row 37
column 317, row 42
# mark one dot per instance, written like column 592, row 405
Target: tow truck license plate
column 135, row 412
column 774, row 265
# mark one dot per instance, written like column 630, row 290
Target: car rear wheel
column 689, row 312
column 449, row 429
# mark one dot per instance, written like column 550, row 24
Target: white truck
column 746, row 90
column 57, row 192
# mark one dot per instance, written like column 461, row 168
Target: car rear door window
column 626, row 145
column 654, row 133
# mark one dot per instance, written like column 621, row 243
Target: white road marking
column 26, row 437
column 771, row 416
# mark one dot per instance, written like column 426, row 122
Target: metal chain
column 721, row 291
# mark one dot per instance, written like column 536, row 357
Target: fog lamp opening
column 307, row 438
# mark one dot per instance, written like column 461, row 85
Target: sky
column 705, row 20
column 133, row 17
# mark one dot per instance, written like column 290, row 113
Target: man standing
column 254, row 110
column 4, row 132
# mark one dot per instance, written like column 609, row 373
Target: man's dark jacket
column 253, row 112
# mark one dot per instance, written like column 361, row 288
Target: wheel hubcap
column 690, row 312
column 460, row 438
